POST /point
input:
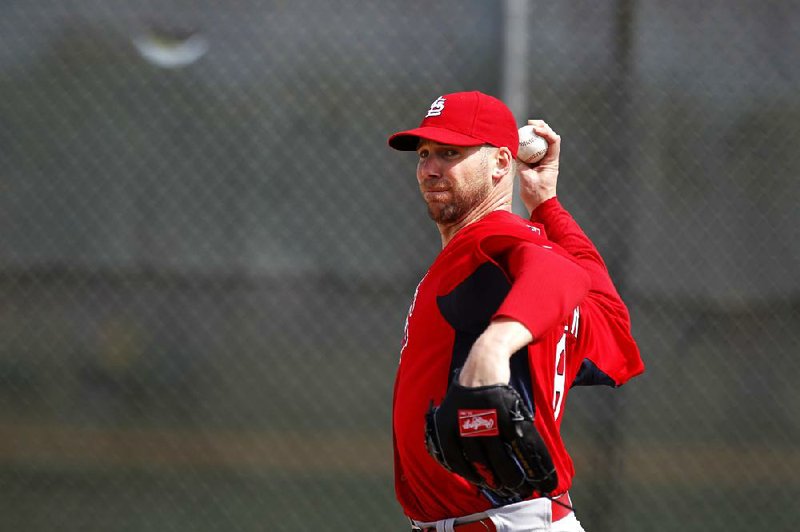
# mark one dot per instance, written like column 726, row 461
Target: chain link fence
column 208, row 252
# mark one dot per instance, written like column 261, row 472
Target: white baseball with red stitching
column 532, row 147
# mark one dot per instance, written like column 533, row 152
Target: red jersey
column 559, row 288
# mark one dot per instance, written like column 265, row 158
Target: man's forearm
column 488, row 360
column 562, row 229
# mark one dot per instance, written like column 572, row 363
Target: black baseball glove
column 486, row 435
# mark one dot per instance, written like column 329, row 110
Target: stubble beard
column 463, row 200
column 459, row 207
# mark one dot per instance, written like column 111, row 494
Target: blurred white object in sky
column 169, row 49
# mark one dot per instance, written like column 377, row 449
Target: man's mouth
column 435, row 186
column 436, row 194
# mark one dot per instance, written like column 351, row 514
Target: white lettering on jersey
column 408, row 316
column 436, row 107
column 559, row 375
column 576, row 319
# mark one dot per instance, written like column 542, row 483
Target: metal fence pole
column 514, row 86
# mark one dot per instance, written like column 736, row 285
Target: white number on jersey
column 559, row 375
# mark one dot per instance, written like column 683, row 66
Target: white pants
column 569, row 523
column 526, row 516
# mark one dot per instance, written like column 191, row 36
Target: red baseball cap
column 463, row 119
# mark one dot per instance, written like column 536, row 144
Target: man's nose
column 429, row 167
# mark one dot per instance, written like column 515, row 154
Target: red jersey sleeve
column 545, row 285
column 605, row 329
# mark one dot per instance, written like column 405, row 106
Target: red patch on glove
column 472, row 423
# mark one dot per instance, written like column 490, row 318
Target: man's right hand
column 538, row 181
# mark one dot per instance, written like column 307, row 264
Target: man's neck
column 448, row 232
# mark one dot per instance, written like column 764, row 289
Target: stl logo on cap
column 436, row 107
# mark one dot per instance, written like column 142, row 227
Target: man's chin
column 444, row 214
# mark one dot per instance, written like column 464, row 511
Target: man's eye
column 422, row 154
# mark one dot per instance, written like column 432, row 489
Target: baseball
column 532, row 147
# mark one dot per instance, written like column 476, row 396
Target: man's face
column 453, row 179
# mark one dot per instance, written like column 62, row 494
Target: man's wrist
column 487, row 362
column 539, row 212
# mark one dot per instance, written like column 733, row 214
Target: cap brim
column 409, row 140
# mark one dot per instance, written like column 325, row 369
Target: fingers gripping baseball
column 538, row 181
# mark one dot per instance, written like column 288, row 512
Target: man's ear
column 503, row 163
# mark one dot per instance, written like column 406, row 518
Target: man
column 507, row 301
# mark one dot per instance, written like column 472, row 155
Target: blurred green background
column 207, row 252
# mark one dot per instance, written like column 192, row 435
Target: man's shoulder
column 509, row 225
column 502, row 232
